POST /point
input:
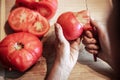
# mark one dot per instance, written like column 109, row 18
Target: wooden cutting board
column 85, row 68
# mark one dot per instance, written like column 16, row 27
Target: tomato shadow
column 14, row 7
column 49, row 49
column 12, row 74
column 15, row 74
column 7, row 28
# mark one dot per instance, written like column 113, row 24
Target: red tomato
column 46, row 8
column 20, row 51
column 73, row 23
column 24, row 19
column 72, row 28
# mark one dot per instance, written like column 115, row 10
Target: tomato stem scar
column 38, row 0
column 18, row 46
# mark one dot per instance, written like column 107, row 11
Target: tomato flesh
column 46, row 8
column 24, row 19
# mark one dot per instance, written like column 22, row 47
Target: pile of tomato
column 30, row 21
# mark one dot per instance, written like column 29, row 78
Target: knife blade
column 93, row 31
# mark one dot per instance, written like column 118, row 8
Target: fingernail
column 57, row 25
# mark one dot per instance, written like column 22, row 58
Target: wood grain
column 2, row 19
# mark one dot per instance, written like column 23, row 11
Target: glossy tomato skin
column 19, row 51
column 72, row 29
column 46, row 8
column 26, row 20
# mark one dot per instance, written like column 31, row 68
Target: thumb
column 76, row 43
column 75, row 47
column 59, row 33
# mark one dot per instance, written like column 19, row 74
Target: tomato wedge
column 46, row 8
column 24, row 19
column 19, row 51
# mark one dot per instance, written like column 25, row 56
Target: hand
column 67, row 52
column 66, row 56
column 90, row 42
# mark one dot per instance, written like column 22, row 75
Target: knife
column 94, row 31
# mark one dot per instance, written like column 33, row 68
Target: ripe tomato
column 72, row 28
column 46, row 8
column 73, row 23
column 24, row 19
column 20, row 51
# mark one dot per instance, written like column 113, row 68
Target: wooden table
column 85, row 68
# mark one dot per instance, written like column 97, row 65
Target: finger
column 59, row 33
column 92, row 46
column 88, row 34
column 78, row 40
column 92, row 51
column 97, row 26
column 74, row 49
column 87, row 40
column 75, row 44
column 93, row 23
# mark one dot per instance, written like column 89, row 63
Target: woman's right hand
column 91, row 43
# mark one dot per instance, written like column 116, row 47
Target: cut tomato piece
column 24, row 19
column 46, row 8
column 40, row 26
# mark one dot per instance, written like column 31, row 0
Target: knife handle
column 95, row 35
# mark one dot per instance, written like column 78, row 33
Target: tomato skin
column 24, row 19
column 72, row 29
column 20, row 51
column 46, row 8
